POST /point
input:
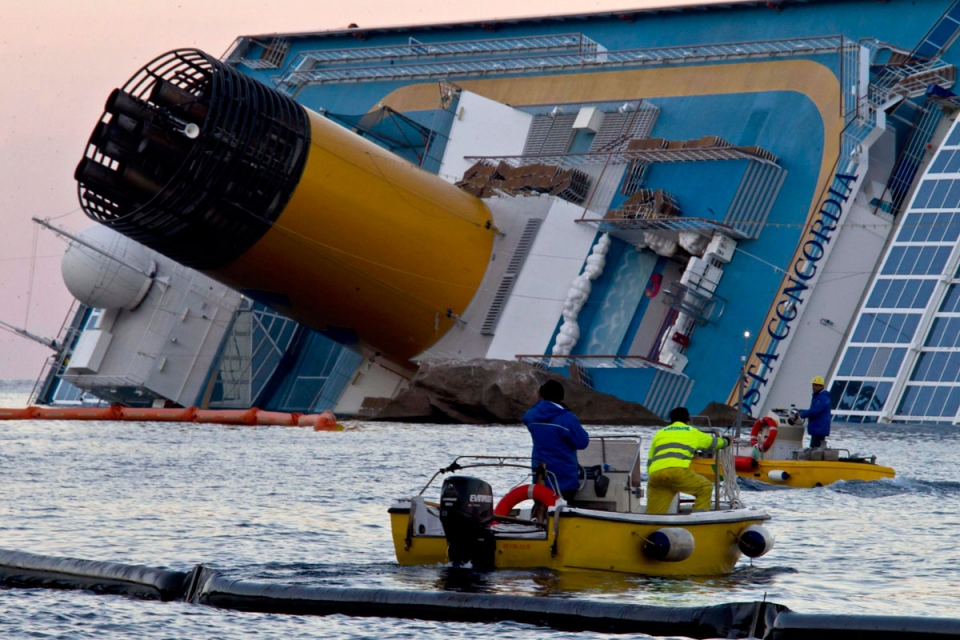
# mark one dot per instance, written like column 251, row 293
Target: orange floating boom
column 325, row 421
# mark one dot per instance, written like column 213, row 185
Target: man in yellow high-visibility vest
column 668, row 464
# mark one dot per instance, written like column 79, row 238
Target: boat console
column 617, row 459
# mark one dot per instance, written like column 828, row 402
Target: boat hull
column 803, row 474
column 597, row 541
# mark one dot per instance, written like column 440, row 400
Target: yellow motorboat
column 603, row 529
column 783, row 460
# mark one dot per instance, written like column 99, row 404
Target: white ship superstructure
column 644, row 192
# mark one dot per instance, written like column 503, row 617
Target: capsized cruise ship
column 659, row 203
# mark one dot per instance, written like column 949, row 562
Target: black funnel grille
column 193, row 159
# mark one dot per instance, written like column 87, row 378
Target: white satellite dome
column 104, row 283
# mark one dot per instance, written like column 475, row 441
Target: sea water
column 295, row 506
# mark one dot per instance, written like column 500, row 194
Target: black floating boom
column 559, row 613
column 193, row 159
column 208, row 587
column 21, row 569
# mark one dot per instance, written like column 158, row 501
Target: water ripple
column 301, row 507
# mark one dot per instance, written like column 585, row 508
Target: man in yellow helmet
column 668, row 464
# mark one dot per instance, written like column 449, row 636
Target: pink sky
column 61, row 60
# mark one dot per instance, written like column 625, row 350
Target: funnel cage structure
column 193, row 159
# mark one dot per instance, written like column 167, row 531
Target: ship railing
column 273, row 54
column 555, row 43
column 631, row 230
column 295, row 79
column 910, row 79
column 87, row 381
column 55, row 363
column 592, row 362
column 688, row 154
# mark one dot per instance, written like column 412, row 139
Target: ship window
column 951, row 337
column 951, row 229
column 953, row 163
column 879, row 363
column 863, row 327
column 909, row 327
column 921, row 226
column 909, row 260
column 938, row 401
column 893, row 364
column 951, row 302
column 321, row 362
column 876, row 327
column 863, row 362
column 916, row 262
column 932, row 222
column 880, row 395
column 951, row 372
column 938, row 366
column 911, row 292
column 893, row 294
column 923, row 194
column 849, row 395
column 952, row 334
column 937, row 331
column 954, row 138
column 846, row 365
column 908, row 400
column 952, row 200
column 926, row 261
column 926, row 227
column 879, row 289
column 889, row 329
column 893, row 260
column 953, row 403
column 939, row 194
column 923, row 292
column 941, row 228
column 862, row 402
column 930, row 261
column 303, row 393
column 923, row 401
column 940, row 162
column 923, row 366
column 921, row 229
column 836, row 392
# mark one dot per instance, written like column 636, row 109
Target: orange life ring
column 536, row 492
column 771, row 424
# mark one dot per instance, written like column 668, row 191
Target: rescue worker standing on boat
column 818, row 416
column 557, row 435
column 668, row 464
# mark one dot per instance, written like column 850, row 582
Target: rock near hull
column 499, row 392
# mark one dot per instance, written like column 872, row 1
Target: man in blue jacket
column 818, row 416
column 557, row 435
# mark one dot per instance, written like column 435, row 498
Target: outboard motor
column 466, row 511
